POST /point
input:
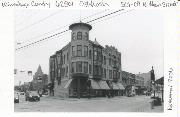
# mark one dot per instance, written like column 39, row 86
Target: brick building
column 128, row 80
column 84, row 67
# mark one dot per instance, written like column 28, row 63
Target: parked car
column 156, row 95
column 16, row 97
column 32, row 96
column 22, row 93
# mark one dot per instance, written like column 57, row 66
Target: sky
column 137, row 34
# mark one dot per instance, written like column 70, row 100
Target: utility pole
column 153, row 80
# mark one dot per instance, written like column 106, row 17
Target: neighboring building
column 128, row 81
column 85, row 67
column 147, row 80
column 139, row 83
column 40, row 80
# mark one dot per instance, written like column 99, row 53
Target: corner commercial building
column 84, row 67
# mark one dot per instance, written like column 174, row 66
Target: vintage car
column 32, row 96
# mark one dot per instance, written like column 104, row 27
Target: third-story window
column 73, row 36
column 85, row 67
column 79, row 50
column 67, row 56
column 79, row 66
column 73, row 51
column 90, row 54
column 95, row 56
column 85, row 51
column 79, row 36
column 104, row 60
column 86, row 36
column 64, row 59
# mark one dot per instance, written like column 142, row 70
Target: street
column 116, row 104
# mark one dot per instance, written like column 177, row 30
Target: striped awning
column 95, row 85
column 121, row 87
column 115, row 86
column 68, row 84
column 103, row 85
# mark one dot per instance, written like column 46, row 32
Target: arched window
column 73, row 36
column 79, row 36
column 86, row 36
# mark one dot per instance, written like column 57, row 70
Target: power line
column 67, row 30
column 105, row 16
column 113, row 16
column 20, row 43
column 42, row 39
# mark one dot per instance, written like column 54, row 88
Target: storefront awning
column 103, row 85
column 68, row 84
column 94, row 84
column 115, row 86
column 121, row 87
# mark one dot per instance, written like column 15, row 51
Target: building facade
column 40, row 81
column 84, row 67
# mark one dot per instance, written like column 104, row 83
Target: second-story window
column 85, row 67
column 79, row 66
column 85, row 51
column 73, row 51
column 110, row 74
column 64, row 59
column 79, row 36
column 73, row 67
column 79, row 50
column 67, row 56
column 90, row 69
column 104, row 72
column 90, row 54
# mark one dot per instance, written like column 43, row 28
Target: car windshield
column 33, row 93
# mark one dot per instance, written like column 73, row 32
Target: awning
column 121, row 86
column 68, row 83
column 115, row 86
column 103, row 85
column 94, row 84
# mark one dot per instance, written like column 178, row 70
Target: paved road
column 116, row 104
